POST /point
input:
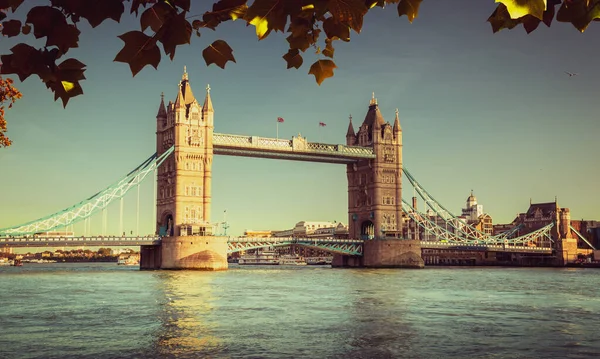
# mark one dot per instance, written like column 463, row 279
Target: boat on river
column 292, row 260
column 129, row 260
column 319, row 260
column 265, row 257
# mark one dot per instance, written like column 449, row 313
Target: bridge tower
column 184, row 184
column 565, row 243
column 375, row 193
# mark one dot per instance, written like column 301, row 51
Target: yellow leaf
column 520, row 8
column 262, row 26
column 308, row 7
column 68, row 86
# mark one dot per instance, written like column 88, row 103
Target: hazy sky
column 490, row 112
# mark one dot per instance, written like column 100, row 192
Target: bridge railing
column 291, row 240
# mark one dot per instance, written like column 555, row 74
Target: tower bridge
column 186, row 144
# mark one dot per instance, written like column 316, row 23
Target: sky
column 492, row 113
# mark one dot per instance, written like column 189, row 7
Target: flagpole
column 277, row 129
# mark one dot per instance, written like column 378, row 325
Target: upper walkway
column 298, row 149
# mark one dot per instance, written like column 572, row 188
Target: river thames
column 109, row 311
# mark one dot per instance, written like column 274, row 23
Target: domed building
column 474, row 215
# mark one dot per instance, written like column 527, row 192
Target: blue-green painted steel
column 582, row 237
column 91, row 205
column 340, row 246
column 451, row 237
column 452, row 220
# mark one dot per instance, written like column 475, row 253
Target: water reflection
column 107, row 311
column 186, row 305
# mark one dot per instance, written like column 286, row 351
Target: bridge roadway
column 236, row 244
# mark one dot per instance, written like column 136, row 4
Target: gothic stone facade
column 184, row 179
column 375, row 185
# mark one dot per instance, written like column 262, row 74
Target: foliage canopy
column 168, row 23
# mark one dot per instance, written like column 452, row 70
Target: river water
column 101, row 310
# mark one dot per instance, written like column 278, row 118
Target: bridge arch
column 367, row 230
column 165, row 225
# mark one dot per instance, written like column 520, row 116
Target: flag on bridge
column 279, row 119
column 322, row 124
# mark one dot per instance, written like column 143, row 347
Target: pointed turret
column 179, row 102
column 207, row 107
column 186, row 88
column 350, row 129
column 162, row 112
column 397, row 127
column 350, row 134
column 373, row 117
column 185, row 96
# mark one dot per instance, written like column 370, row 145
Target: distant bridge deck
column 96, row 241
column 484, row 247
column 297, row 149
column 340, row 246
column 236, row 244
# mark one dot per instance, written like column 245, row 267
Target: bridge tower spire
column 375, row 197
column 375, row 185
column 350, row 134
column 184, row 184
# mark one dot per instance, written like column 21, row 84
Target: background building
column 473, row 215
